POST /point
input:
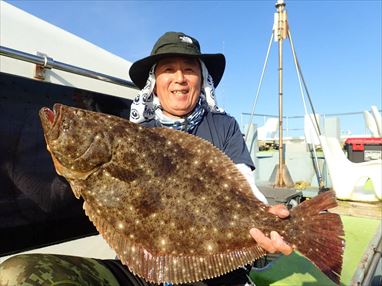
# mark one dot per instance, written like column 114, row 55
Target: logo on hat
column 185, row 39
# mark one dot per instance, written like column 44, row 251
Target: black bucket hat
column 176, row 44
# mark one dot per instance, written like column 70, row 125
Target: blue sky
column 338, row 45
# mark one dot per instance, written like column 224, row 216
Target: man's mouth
column 180, row 92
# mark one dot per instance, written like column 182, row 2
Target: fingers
column 263, row 241
column 280, row 244
column 273, row 244
column 280, row 210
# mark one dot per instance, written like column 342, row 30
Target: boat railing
column 350, row 122
column 45, row 62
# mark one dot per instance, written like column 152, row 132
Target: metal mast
column 280, row 31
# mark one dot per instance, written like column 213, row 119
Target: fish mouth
column 50, row 118
column 49, row 114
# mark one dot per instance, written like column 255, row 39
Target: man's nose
column 179, row 75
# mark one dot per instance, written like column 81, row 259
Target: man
column 177, row 86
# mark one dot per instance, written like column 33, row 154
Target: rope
column 314, row 123
column 258, row 88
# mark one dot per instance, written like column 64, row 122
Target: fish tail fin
column 318, row 234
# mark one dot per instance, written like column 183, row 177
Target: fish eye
column 79, row 113
column 65, row 124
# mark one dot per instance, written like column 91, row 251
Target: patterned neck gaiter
column 183, row 124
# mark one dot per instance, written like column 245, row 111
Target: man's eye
column 190, row 70
column 168, row 69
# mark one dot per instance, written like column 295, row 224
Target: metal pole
column 280, row 182
column 47, row 62
column 280, row 7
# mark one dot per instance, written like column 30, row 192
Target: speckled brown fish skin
column 174, row 207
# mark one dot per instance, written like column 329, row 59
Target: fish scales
column 173, row 206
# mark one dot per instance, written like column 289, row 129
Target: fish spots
column 154, row 137
column 210, row 246
column 119, row 131
column 175, row 147
column 121, row 173
column 197, row 186
column 71, row 149
column 165, row 166
column 120, row 225
column 148, row 203
column 223, row 216
column 240, row 198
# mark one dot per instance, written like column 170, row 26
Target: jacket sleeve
column 235, row 147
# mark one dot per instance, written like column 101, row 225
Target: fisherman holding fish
column 177, row 85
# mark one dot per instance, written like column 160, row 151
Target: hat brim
column 139, row 71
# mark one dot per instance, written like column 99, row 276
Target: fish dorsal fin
column 171, row 268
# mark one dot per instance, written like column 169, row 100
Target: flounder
column 174, row 207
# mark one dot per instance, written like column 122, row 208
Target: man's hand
column 275, row 243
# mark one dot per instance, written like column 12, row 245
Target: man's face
column 178, row 84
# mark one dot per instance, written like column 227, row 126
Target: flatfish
column 174, row 207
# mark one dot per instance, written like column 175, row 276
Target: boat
column 39, row 214
column 45, row 66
